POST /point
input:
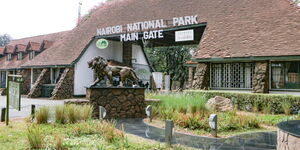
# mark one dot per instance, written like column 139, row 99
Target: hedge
column 246, row 101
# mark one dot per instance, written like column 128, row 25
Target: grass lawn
column 71, row 136
column 190, row 115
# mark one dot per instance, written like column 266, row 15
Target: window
column 232, row 75
column 285, row 75
column 8, row 57
column 20, row 56
column 55, row 74
column 3, row 79
column 31, row 55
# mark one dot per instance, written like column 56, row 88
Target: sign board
column 184, row 35
column 151, row 29
column 102, row 43
column 14, row 94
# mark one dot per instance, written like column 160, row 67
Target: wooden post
column 3, row 110
column 32, row 112
column 7, row 101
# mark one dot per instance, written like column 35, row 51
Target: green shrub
column 34, row 137
column 243, row 99
column 60, row 116
column 42, row 115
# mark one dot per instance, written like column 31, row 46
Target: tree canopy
column 4, row 40
column 171, row 60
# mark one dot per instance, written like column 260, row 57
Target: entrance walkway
column 253, row 141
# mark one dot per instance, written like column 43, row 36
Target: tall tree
column 4, row 40
column 171, row 60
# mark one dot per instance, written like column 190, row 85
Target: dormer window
column 31, row 55
column 20, row 56
column 8, row 57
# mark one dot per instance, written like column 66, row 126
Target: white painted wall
column 138, row 56
column 83, row 75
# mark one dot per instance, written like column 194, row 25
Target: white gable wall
column 84, row 76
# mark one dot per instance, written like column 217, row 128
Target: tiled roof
column 240, row 28
column 34, row 46
column 20, row 48
column 39, row 38
column 31, row 43
column 9, row 49
column 47, row 44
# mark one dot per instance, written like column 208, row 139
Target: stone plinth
column 120, row 102
column 288, row 135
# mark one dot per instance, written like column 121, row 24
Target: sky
column 26, row 18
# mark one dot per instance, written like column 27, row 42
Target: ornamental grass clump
column 267, row 109
column 230, row 121
column 58, row 143
column 35, row 137
column 42, row 115
column 109, row 132
column 60, row 116
column 86, row 112
column 72, row 112
column 286, row 106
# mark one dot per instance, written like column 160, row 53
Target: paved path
column 254, row 141
column 26, row 106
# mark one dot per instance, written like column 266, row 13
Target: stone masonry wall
column 65, row 85
column 191, row 77
column 261, row 77
column 201, row 77
column 127, row 54
column 36, row 89
column 118, row 102
column 27, row 81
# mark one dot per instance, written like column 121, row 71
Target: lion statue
column 102, row 69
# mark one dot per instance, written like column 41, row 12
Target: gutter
column 248, row 59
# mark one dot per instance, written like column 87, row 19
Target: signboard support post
column 7, row 101
column 3, row 110
column 13, row 94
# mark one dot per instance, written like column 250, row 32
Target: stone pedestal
column 120, row 102
column 288, row 135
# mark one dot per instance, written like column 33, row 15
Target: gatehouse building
column 251, row 46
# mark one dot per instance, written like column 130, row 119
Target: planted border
column 250, row 101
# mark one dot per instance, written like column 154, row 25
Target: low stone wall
column 36, row 89
column 118, row 101
column 65, row 85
